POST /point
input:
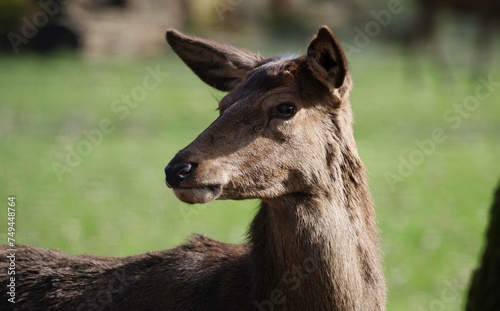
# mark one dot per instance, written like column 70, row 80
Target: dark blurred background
column 130, row 28
column 418, row 66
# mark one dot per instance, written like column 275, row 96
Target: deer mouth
column 198, row 195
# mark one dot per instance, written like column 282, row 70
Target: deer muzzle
column 178, row 176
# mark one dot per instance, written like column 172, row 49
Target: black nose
column 175, row 173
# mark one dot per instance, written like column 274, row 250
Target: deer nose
column 176, row 173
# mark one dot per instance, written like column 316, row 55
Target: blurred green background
column 112, row 199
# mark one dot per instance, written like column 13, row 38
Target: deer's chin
column 198, row 195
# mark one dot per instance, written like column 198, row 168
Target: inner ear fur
column 327, row 60
column 221, row 66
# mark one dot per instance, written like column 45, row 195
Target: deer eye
column 285, row 111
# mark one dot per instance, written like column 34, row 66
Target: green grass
column 115, row 202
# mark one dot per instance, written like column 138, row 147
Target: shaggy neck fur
column 319, row 251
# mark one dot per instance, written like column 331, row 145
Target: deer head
column 279, row 127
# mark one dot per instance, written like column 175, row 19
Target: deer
column 284, row 135
column 483, row 285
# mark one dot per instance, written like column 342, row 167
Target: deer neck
column 319, row 251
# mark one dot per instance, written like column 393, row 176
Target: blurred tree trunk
column 280, row 8
column 484, row 292
column 281, row 14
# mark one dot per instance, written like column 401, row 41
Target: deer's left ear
column 327, row 60
column 221, row 66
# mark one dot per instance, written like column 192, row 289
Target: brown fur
column 313, row 244
column 485, row 283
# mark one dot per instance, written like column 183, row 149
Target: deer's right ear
column 221, row 66
column 327, row 60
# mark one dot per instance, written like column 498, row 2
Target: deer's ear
column 327, row 60
column 221, row 66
